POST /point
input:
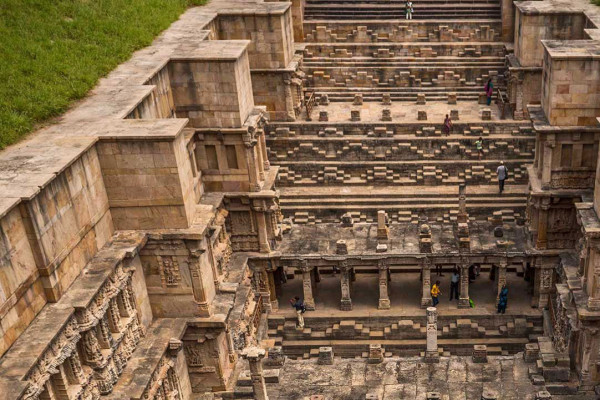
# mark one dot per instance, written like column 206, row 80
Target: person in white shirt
column 502, row 175
column 409, row 10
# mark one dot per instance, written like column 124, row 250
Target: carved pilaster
column 384, row 299
column 426, row 300
column 200, row 300
column 463, row 299
column 346, row 301
column 309, row 301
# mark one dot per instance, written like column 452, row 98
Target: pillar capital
column 253, row 353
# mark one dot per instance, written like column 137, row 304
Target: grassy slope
column 52, row 52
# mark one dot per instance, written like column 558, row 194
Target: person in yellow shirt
column 435, row 292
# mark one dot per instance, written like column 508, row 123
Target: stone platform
column 456, row 378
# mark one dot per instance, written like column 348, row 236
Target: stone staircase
column 395, row 9
column 403, row 337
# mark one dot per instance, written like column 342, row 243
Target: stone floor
column 405, row 296
column 405, row 112
column 403, row 239
column 456, row 378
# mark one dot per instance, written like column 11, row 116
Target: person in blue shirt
column 503, row 300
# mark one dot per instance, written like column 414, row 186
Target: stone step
column 405, row 347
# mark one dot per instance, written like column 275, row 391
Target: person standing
column 503, row 300
column 489, row 91
column 447, row 125
column 454, row 282
column 479, row 147
column 435, row 292
column 438, row 269
column 502, row 175
column 409, row 9
column 300, row 309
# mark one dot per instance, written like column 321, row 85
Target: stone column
column 431, row 354
column 249, row 144
column 589, row 357
column 346, row 301
column 261, row 279
column 230, row 344
column 259, row 160
column 260, row 209
column 289, row 99
column 272, row 291
column 202, row 306
column 501, row 278
column 543, row 285
column 263, row 149
column 309, row 301
column 426, row 300
column 384, row 298
column 254, row 355
column 463, row 299
column 462, row 217
column 542, row 229
column 546, row 166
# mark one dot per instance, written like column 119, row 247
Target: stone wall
column 269, row 30
column 570, row 93
column 536, row 21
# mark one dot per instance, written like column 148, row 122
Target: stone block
column 375, row 354
column 433, row 396
column 538, row 380
column 452, row 98
column 324, row 100
column 275, row 357
column 325, row 356
column 556, row 374
column 486, row 114
column 532, row 352
column 354, row 115
column 489, row 395
column 386, row 99
column 341, row 247
column 381, row 248
column 422, row 115
column 479, row 353
column 386, row 114
column 421, row 98
column 358, row 99
column 323, row 116
column 372, row 396
column 454, row 115
column 425, row 245
column 498, row 232
column 347, row 220
column 543, row 395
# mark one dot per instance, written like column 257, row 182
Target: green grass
column 52, row 52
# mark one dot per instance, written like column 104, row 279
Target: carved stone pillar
column 249, row 144
column 309, row 301
column 202, row 306
column 543, row 285
column 289, row 100
column 463, row 299
column 589, row 355
column 542, row 230
column 259, row 161
column 263, row 237
column 593, row 287
column 272, row 291
column 426, row 300
column 518, row 114
column 254, row 355
column 384, row 298
column 547, row 162
column 431, row 353
column 501, row 278
column 230, row 345
column 346, row 301
column 261, row 279
column 263, row 148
